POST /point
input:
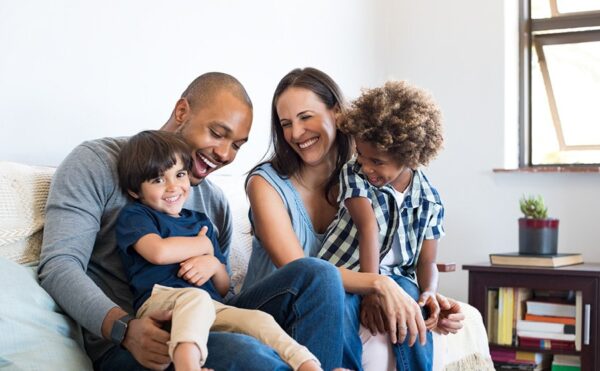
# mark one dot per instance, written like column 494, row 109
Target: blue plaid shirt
column 419, row 217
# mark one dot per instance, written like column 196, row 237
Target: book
column 552, row 261
column 546, row 343
column 492, row 316
column 546, row 335
column 521, row 295
column 550, row 319
column 531, row 357
column 558, row 328
column 563, row 362
column 578, row 319
column 542, row 308
column 565, row 368
column 505, row 315
column 566, row 360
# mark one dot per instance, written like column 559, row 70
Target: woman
column 296, row 191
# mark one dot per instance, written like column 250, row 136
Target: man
column 81, row 269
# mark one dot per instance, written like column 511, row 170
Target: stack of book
column 550, row 325
column 508, row 359
column 563, row 362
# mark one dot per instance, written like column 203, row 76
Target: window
column 560, row 82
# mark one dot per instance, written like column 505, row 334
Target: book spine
column 550, row 319
column 546, row 344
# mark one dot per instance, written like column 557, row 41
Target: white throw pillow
column 23, row 193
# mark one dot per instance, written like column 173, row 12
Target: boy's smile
column 381, row 168
column 168, row 192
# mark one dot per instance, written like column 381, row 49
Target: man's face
column 215, row 133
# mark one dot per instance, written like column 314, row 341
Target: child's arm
column 364, row 218
column 199, row 269
column 170, row 250
column 427, row 277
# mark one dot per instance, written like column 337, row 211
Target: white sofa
column 36, row 335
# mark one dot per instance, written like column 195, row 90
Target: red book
column 552, row 319
column 546, row 343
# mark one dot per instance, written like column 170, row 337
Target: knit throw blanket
column 23, row 193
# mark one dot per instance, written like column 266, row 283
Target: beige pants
column 195, row 314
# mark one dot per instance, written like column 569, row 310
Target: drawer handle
column 586, row 332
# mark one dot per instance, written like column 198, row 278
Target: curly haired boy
column 390, row 218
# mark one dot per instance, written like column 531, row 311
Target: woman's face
column 308, row 125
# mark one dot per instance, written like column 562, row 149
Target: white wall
column 72, row 70
column 456, row 50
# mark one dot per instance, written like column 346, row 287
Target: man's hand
column 451, row 317
column 371, row 311
column 147, row 341
column 198, row 269
column 428, row 299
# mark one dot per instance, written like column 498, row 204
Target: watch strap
column 119, row 329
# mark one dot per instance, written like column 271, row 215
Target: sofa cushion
column 23, row 193
column 35, row 333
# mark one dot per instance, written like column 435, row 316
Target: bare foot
column 310, row 366
column 186, row 357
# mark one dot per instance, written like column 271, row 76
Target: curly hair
column 398, row 119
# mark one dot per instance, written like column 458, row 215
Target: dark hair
column 398, row 119
column 203, row 89
column 149, row 154
column 283, row 158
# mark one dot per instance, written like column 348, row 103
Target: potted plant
column 538, row 234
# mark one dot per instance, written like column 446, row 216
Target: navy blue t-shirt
column 137, row 220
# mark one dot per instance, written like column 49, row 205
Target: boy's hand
column 371, row 314
column 205, row 240
column 451, row 317
column 198, row 269
column 428, row 299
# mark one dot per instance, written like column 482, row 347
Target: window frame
column 527, row 27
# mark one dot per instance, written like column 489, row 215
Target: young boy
column 173, row 260
column 390, row 217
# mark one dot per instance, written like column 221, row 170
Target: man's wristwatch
column 119, row 329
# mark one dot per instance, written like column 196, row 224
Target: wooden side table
column 581, row 277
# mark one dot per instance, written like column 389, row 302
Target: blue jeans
column 305, row 297
column 418, row 357
column 250, row 354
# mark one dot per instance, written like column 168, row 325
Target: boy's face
column 380, row 168
column 166, row 193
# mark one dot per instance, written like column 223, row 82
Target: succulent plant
column 533, row 207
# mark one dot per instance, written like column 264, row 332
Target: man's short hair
column 205, row 87
column 147, row 155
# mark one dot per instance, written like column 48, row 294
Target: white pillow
column 34, row 332
column 23, row 193
column 241, row 244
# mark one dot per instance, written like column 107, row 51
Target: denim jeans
column 249, row 353
column 416, row 358
column 305, row 297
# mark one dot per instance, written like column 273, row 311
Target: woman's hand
column 401, row 313
column 428, row 299
column 450, row 318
